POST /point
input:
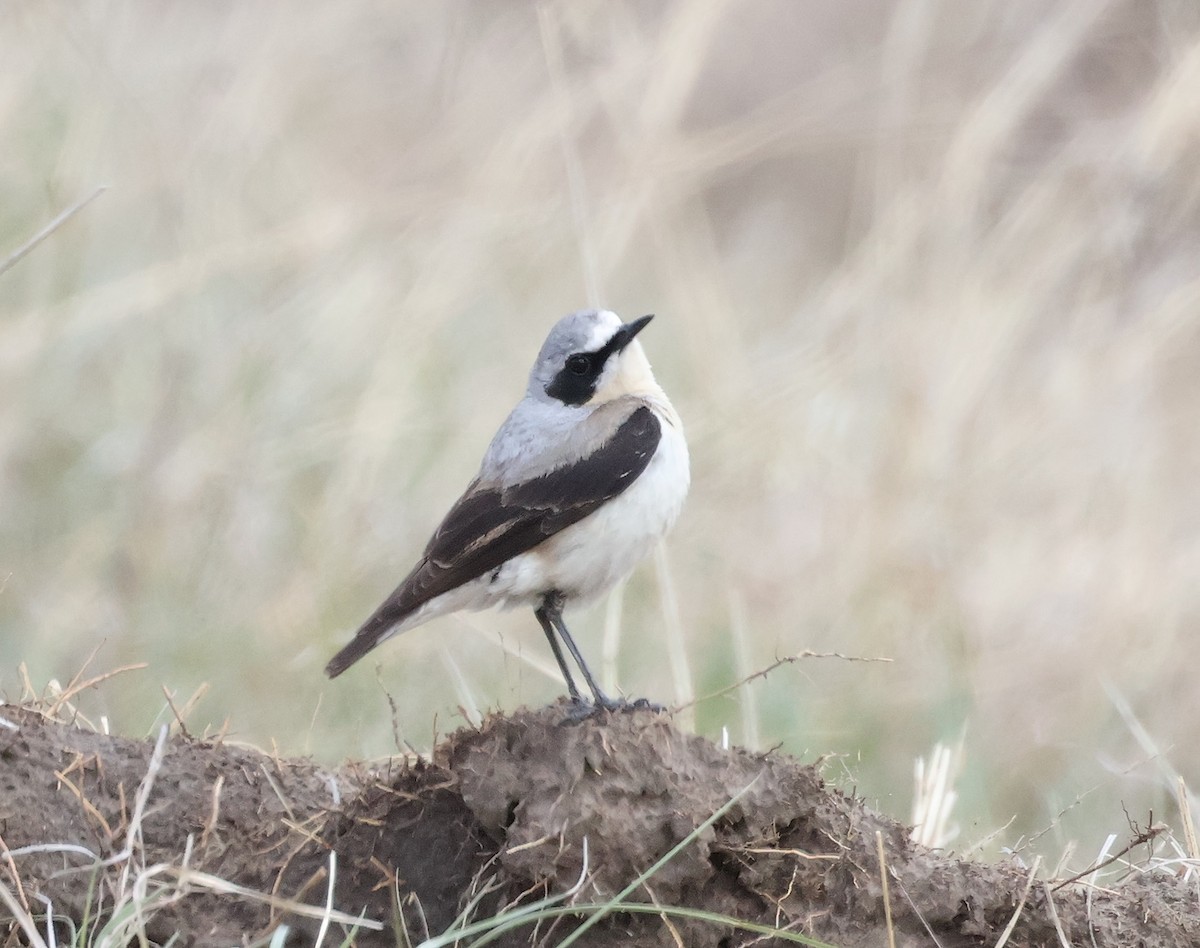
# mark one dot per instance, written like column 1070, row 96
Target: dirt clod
column 498, row 818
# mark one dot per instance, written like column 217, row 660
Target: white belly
column 590, row 557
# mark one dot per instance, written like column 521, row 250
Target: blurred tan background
column 927, row 277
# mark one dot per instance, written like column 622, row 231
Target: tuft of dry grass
column 927, row 293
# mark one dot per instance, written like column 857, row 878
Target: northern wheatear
column 586, row 474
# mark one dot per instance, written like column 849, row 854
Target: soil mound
column 232, row 843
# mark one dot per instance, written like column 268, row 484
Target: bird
column 587, row 473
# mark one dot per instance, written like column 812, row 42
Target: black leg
column 548, row 627
column 551, row 611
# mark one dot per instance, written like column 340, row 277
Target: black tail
column 373, row 631
column 356, row 649
column 403, row 602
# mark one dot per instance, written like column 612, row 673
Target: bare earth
column 506, row 809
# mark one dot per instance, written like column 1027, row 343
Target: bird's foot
column 615, row 705
column 582, row 709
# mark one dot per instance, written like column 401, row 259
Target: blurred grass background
column 927, row 277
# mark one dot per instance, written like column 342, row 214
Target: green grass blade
column 674, row 851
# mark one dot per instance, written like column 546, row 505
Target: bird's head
column 590, row 358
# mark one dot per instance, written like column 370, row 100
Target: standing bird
column 585, row 475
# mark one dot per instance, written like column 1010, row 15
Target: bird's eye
column 579, row 364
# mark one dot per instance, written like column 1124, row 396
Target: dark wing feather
column 487, row 527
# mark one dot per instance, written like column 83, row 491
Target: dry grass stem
column 1184, row 800
column 887, row 895
column 193, row 878
column 13, row 258
column 1012, row 922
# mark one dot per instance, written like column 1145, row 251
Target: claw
column 581, row 709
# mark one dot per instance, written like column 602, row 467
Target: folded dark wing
column 488, row 526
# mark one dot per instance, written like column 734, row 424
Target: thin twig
column 278, row 790
column 88, row 806
column 1143, row 837
column 77, row 686
column 175, row 713
column 763, row 672
column 67, row 693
